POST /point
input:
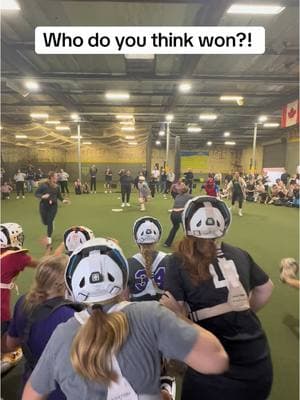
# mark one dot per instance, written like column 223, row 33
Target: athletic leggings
column 237, row 197
column 93, row 183
column 125, row 191
column 20, row 187
column 48, row 213
column 176, row 221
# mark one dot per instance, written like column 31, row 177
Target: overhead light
column 124, row 116
column 208, row 143
column 226, row 134
column 40, row 142
column 231, row 98
column 128, row 128
column 158, row 142
column 262, row 118
column 9, row 5
column 230, row 143
column 32, row 85
column 127, row 122
column 39, row 115
column 86, row 142
column 194, row 129
column 117, row 95
column 139, row 56
column 161, row 133
column 132, row 143
column 208, row 117
column 184, row 87
column 1, row 127
column 74, row 116
column 62, row 128
column 271, row 125
column 75, row 137
column 21, row 136
column 129, row 137
column 52, row 122
column 255, row 9
column 169, row 117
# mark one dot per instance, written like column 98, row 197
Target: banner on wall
column 290, row 114
column 197, row 161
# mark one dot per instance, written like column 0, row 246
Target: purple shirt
column 39, row 335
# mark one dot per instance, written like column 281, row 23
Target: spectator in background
column 163, row 180
column 144, row 172
column 218, row 178
column 85, row 188
column 152, row 184
column 237, row 186
column 285, row 177
column 63, row 181
column 250, row 190
column 39, row 174
column 189, row 176
column 93, row 174
column 177, row 188
column 228, row 178
column 210, row 186
column 30, row 179
column 5, row 191
column 108, row 180
column 126, row 182
column 2, row 173
column 156, row 174
column 260, row 192
column 20, row 180
column 170, row 180
column 78, row 187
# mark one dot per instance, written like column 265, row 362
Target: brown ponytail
column 148, row 251
column 100, row 337
column 196, row 255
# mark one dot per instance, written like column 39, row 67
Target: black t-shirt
column 126, row 180
column 240, row 332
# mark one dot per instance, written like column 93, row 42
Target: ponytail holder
column 97, row 307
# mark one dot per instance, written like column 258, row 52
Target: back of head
column 11, row 235
column 97, row 274
column 75, row 236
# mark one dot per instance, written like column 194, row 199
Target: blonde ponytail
column 148, row 253
column 100, row 337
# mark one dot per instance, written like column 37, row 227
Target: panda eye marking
column 199, row 224
column 110, row 277
column 218, row 223
column 82, row 283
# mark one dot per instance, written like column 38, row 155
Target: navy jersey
column 140, row 286
column 53, row 191
column 240, row 332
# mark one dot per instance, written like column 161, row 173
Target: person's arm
column 260, row 295
column 40, row 192
column 59, row 250
column 10, row 343
column 30, row 394
column 295, row 283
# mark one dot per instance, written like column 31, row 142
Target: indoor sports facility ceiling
column 78, row 83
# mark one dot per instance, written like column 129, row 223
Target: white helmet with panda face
column 206, row 217
column 11, row 235
column 147, row 230
column 97, row 271
column 76, row 236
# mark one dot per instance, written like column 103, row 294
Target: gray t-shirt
column 153, row 329
column 181, row 200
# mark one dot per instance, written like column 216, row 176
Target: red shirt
column 210, row 187
column 12, row 262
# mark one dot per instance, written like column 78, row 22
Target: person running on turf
column 38, row 313
column 147, row 268
column 221, row 288
column 49, row 193
column 112, row 349
column 180, row 201
column 237, row 186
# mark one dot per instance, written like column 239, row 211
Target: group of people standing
column 113, row 336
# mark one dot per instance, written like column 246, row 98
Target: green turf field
column 268, row 233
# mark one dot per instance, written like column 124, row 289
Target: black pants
column 48, row 213
column 125, row 192
column 237, row 197
column 93, row 183
column 20, row 188
column 168, row 186
column 190, row 186
column 176, row 221
column 64, row 186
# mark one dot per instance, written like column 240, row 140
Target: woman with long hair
column 221, row 288
column 147, row 268
column 112, row 349
column 38, row 313
column 49, row 193
column 237, row 187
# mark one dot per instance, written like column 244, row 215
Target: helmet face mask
column 97, row 271
column 76, row 236
column 206, row 217
column 147, row 230
column 11, row 235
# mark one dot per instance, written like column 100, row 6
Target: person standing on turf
column 112, row 349
column 93, row 174
column 49, row 193
column 64, row 176
column 108, row 180
column 20, row 181
column 237, row 186
column 220, row 287
column 189, row 177
column 126, row 182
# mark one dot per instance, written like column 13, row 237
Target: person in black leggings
column 49, row 193
column 126, row 182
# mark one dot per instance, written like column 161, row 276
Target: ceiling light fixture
column 32, row 85
column 208, row 117
column 231, row 98
column 128, row 128
column 62, row 128
column 161, row 133
column 21, row 136
column 184, row 87
column 124, row 116
column 139, row 56
column 169, row 117
column 117, row 95
column 226, row 134
column 39, row 115
column 262, row 118
column 129, row 137
column 208, row 143
column 127, row 122
column 271, row 125
column 132, row 143
column 40, row 142
column 230, row 143
column 52, row 122
column 194, row 129
column 158, row 142
column 75, row 137
column 74, row 116
column 264, row 9
column 9, row 5
column 86, row 142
